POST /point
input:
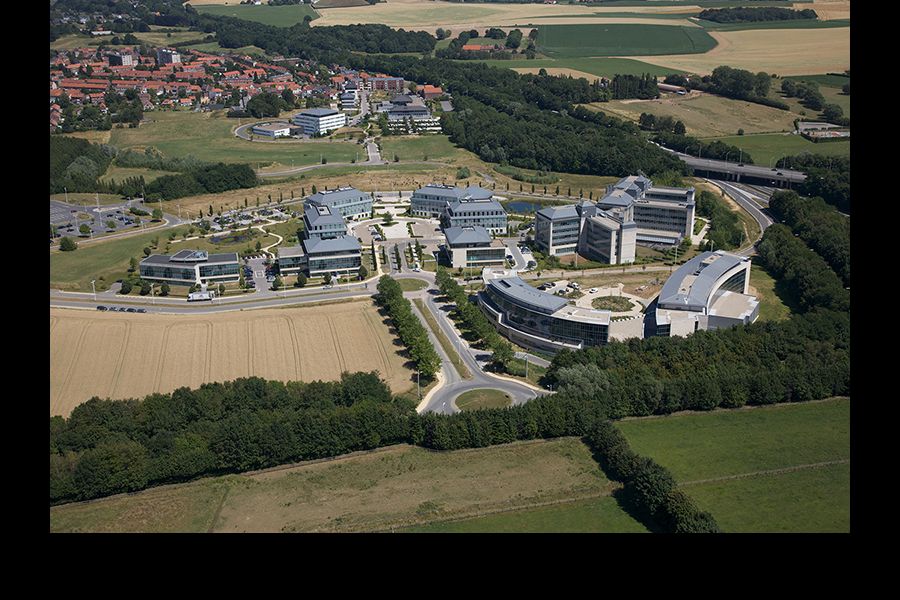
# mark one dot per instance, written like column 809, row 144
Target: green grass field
column 563, row 41
column 412, row 285
column 480, row 399
column 722, row 459
column 76, row 198
column 599, row 66
column 417, row 147
column 122, row 173
column 829, row 85
column 279, row 16
column 209, row 137
column 214, row 47
column 596, row 515
column 772, row 304
column 767, row 148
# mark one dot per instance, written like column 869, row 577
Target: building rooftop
column 466, row 206
column 617, row 197
column 344, row 243
column 290, row 251
column 331, row 197
column 322, row 215
column 318, row 112
column 467, row 235
column 190, row 257
column 690, row 287
column 273, row 126
column 473, row 192
column 559, row 212
column 517, row 291
column 734, row 305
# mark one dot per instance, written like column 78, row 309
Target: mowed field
column 781, row 51
column 563, row 41
column 119, row 356
column 705, row 115
column 279, row 16
column 768, row 147
column 767, row 469
column 209, row 137
column 381, row 490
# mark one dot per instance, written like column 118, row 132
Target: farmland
column 742, row 464
column 780, row 51
column 279, row 16
column 119, row 356
column 766, row 148
column 593, row 66
column 380, row 490
column 705, row 115
column 564, row 41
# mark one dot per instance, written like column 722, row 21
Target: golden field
column 130, row 356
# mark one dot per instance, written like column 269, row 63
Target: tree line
column 754, row 14
column 474, row 320
column 408, row 326
column 810, row 97
column 725, row 227
column 208, row 179
column 716, row 149
column 650, row 122
column 633, row 86
column 739, row 84
column 819, row 225
column 827, row 177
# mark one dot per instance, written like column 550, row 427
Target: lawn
column 390, row 488
column 613, row 303
column 772, row 304
column 412, row 285
column 596, row 515
column 209, row 137
column 480, row 399
column 279, row 16
column 767, row 148
column 724, row 443
column 120, row 174
column 109, row 260
column 214, row 47
column 830, row 87
column 76, row 198
column 705, row 115
column 562, row 41
column 811, row 500
column 417, row 147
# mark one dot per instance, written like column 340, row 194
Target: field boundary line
column 207, row 368
column 162, row 356
column 818, row 465
column 294, row 346
column 337, row 347
column 218, row 512
column 249, row 348
column 746, row 407
column 379, row 344
column 65, row 383
column 121, row 360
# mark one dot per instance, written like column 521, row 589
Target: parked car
column 593, row 291
column 102, row 308
column 131, row 309
column 142, row 310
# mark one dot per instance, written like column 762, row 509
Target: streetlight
column 152, row 298
column 94, row 290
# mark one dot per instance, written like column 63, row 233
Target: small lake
column 520, row 206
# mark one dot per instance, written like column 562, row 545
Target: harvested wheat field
column 781, row 51
column 558, row 71
column 827, row 10
column 130, row 356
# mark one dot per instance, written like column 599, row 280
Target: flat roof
column 467, row 235
column 328, row 197
column 273, row 126
column 322, row 215
column 318, row 112
column 465, row 206
column 733, row 305
column 291, row 251
column 185, row 258
column 515, row 289
column 342, row 243
column 473, row 192
column 691, row 285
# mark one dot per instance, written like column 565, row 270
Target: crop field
column 279, row 16
column 119, row 356
column 705, row 115
column 562, row 41
column 775, row 468
column 790, row 24
column 767, row 148
column 209, row 137
column 381, row 490
column 780, row 51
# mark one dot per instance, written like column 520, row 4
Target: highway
column 751, row 200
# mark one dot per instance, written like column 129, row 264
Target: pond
column 521, row 206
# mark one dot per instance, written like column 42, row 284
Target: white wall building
column 319, row 121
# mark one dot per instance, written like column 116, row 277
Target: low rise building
column 189, row 267
column 487, row 213
column 710, row 291
column 340, row 255
column 349, row 202
column 319, row 121
column 473, row 248
column 432, row 200
column 322, row 222
column 273, row 130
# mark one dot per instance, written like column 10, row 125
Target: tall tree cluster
column 408, row 326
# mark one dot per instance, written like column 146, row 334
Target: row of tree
column 739, row 84
column 725, row 227
column 802, row 270
column 754, row 14
column 716, row 149
column 827, row 177
column 633, row 86
column 810, row 96
column 650, row 122
column 76, row 164
column 482, row 332
column 819, row 225
column 408, row 326
column 208, row 179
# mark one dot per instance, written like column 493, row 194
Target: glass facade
column 735, row 283
column 335, row 262
column 186, row 273
column 220, row 270
column 531, row 321
column 658, row 217
column 291, row 262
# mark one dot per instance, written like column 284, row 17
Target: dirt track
column 129, row 356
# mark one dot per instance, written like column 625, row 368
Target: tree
column 126, row 287
column 258, row 245
column 301, row 280
column 363, row 272
column 157, row 214
column 832, row 112
column 276, row 285
column 164, row 289
column 110, row 224
column 503, row 354
column 327, row 279
column 846, row 88
column 132, row 264
column 221, row 289
column 679, row 128
column 210, row 213
column 147, row 251
column 84, row 229
column 145, row 288
column 67, row 244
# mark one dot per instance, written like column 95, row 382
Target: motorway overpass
column 741, row 173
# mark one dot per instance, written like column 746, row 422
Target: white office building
column 319, row 121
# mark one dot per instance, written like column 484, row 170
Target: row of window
column 572, row 332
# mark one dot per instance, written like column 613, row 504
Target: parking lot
column 66, row 218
